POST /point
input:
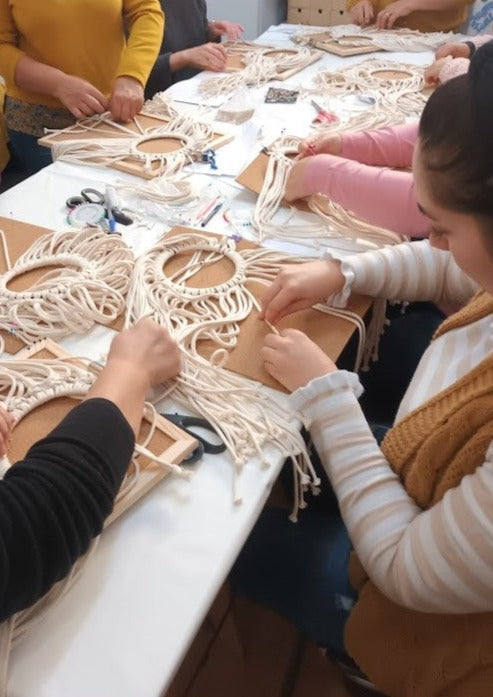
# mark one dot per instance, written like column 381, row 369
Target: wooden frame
column 235, row 62
column 324, row 41
column 131, row 164
column 168, row 440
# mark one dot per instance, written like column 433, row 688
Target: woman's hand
column 362, row 13
column 205, row 57
column 147, row 348
column 79, row 96
column 293, row 359
column 126, row 99
column 295, row 185
column 299, row 287
column 231, row 30
column 387, row 17
column 326, row 145
column 456, row 50
column 6, row 426
column 432, row 72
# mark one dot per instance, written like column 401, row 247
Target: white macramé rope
column 24, row 386
column 399, row 95
column 260, row 66
column 194, row 137
column 399, row 40
column 86, row 282
column 241, row 411
column 334, row 221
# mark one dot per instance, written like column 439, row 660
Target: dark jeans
column 32, row 156
column 300, row 570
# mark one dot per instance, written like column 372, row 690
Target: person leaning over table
column 191, row 43
column 417, row 615
column 425, row 15
column 55, row 500
column 66, row 60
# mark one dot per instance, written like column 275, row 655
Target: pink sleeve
column 391, row 146
column 480, row 40
column 381, row 196
column 453, row 68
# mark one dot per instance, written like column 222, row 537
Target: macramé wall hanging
column 260, row 67
column 150, row 146
column 350, row 39
column 63, row 283
column 39, row 387
column 204, row 289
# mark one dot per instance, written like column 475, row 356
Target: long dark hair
column 456, row 140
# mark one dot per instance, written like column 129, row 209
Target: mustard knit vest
column 404, row 652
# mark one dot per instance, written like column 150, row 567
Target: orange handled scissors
column 323, row 116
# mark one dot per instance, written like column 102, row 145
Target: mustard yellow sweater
column 85, row 38
column 425, row 20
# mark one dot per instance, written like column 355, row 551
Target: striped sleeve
column 439, row 560
column 410, row 271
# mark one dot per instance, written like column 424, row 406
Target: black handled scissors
column 187, row 424
column 87, row 195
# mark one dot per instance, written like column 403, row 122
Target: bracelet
column 472, row 48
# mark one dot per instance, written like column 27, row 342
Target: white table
column 124, row 628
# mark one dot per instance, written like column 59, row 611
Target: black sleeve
column 161, row 77
column 55, row 501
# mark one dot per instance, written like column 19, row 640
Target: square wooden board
column 168, row 440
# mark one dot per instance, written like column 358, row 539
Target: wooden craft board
column 19, row 237
column 329, row 332
column 252, row 178
column 235, row 62
column 131, row 164
column 168, row 440
column 325, row 42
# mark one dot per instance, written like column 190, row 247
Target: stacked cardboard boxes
column 322, row 13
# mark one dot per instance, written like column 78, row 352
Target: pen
column 205, row 211
column 212, row 214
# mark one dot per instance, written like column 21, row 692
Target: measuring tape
column 86, row 215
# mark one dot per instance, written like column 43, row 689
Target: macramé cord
column 397, row 89
column 260, row 67
column 24, row 386
column 86, row 282
column 334, row 221
column 193, row 138
column 399, row 40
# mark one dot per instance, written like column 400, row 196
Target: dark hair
column 456, row 140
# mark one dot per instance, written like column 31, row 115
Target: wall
column 255, row 15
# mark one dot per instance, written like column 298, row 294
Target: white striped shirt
column 441, row 559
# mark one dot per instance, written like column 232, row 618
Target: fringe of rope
column 243, row 413
column 400, row 40
column 85, row 283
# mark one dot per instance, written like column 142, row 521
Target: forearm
column 362, row 189
column 55, row 501
column 145, row 22
column 32, row 76
column 391, row 147
column 400, row 546
column 126, row 386
column 410, row 271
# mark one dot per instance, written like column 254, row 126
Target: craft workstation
column 125, row 626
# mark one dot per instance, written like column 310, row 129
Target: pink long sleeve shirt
column 361, row 181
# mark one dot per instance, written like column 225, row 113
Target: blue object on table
column 187, row 424
column 210, row 157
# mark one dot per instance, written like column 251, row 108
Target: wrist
column 472, row 48
column 179, row 60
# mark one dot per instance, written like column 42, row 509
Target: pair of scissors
column 188, row 424
column 87, row 195
column 323, row 116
